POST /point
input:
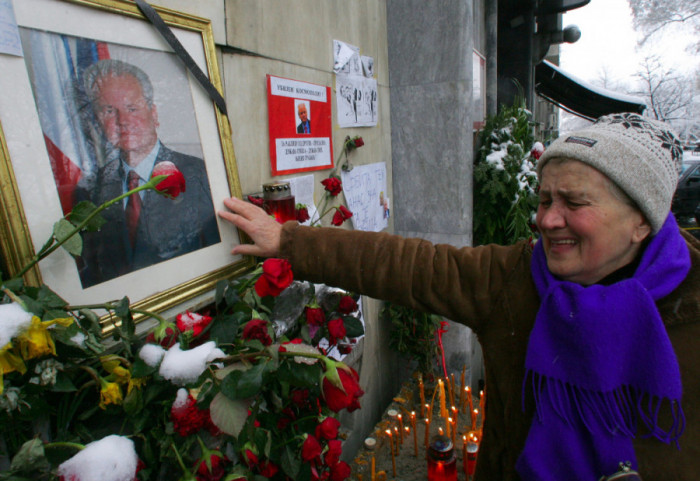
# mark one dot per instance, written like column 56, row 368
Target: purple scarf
column 598, row 361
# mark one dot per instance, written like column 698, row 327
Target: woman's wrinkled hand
column 263, row 230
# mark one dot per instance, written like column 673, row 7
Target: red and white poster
column 300, row 126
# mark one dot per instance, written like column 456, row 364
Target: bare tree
column 652, row 16
column 669, row 96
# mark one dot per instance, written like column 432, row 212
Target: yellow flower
column 110, row 393
column 9, row 362
column 136, row 383
column 36, row 341
column 112, row 364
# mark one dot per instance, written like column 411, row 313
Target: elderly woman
column 590, row 339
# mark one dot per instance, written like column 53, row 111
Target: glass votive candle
column 278, row 201
column 442, row 462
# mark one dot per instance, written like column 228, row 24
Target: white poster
column 366, row 195
column 355, row 87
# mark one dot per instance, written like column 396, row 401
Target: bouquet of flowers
column 243, row 390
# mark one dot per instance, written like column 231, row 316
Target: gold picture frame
column 30, row 186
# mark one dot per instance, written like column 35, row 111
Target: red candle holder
column 442, row 462
column 278, row 201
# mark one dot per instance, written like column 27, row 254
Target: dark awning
column 579, row 97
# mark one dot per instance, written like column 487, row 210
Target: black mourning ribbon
column 189, row 62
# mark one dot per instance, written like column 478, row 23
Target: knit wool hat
column 642, row 156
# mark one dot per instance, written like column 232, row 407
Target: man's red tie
column 133, row 207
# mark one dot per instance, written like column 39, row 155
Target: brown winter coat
column 490, row 289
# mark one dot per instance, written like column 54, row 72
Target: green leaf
column 290, row 462
column 227, row 414
column 73, row 243
column 63, row 383
column 224, row 329
column 82, row 211
column 50, row 299
column 353, row 326
column 140, row 369
column 30, row 457
column 244, row 384
column 300, row 375
column 92, row 323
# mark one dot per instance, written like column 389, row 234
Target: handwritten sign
column 366, row 195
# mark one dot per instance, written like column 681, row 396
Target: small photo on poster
column 303, row 114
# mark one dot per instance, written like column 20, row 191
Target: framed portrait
column 97, row 96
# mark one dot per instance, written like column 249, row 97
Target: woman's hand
column 264, row 230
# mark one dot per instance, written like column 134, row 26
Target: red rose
column 168, row 341
column 302, row 213
column 276, row 276
column 347, row 305
column 348, row 397
column 257, row 329
column 341, row 215
column 268, row 469
column 337, row 219
column 192, row 321
column 259, row 201
column 250, row 458
column 340, row 471
column 333, row 185
column 332, row 456
column 299, row 397
column 311, row 449
column 217, row 471
column 345, row 212
column 173, row 184
column 293, row 341
column 187, row 418
column 315, row 316
column 336, row 330
column 358, row 141
column 328, row 429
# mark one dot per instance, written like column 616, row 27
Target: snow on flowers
column 199, row 398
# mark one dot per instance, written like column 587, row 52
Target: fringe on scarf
column 616, row 412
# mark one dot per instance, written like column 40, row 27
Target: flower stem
column 64, row 444
column 52, row 244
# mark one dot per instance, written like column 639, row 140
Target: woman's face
column 587, row 232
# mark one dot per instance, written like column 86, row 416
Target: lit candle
column 427, row 432
column 464, row 456
column 443, row 405
column 393, row 456
column 472, row 454
column 421, row 389
column 415, row 435
column 448, row 426
column 400, row 418
column 397, row 436
column 482, row 405
column 469, row 398
column 463, row 399
column 475, row 412
column 428, row 411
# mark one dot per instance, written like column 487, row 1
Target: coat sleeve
column 461, row 284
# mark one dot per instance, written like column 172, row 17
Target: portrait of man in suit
column 304, row 126
column 146, row 228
